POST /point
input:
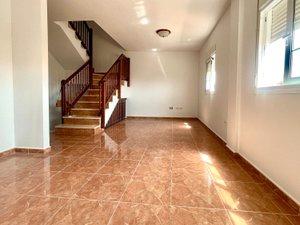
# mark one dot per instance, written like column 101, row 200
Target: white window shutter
column 297, row 15
column 279, row 20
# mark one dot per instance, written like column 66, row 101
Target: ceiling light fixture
column 154, row 49
column 163, row 32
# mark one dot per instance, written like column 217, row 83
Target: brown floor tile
column 54, row 163
column 295, row 220
column 75, row 151
column 229, row 172
column 241, row 218
column 20, row 162
column 31, row 210
column 78, row 212
column 198, row 191
column 8, row 198
column 138, row 214
column 196, row 216
column 129, row 153
column 62, row 185
column 86, row 165
column 139, row 171
column 189, row 174
column 104, row 187
column 119, row 167
column 155, row 167
column 25, row 184
column 148, row 190
column 102, row 153
column 246, row 196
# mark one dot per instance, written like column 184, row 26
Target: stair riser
column 81, row 121
column 95, row 86
column 89, row 98
column 87, row 105
column 93, row 92
column 95, row 82
column 74, row 131
column 75, row 112
column 96, row 76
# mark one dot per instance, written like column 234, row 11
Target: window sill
column 282, row 89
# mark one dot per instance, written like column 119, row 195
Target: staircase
column 89, row 99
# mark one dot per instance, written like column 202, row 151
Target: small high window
column 211, row 74
column 279, row 44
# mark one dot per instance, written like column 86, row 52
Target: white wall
column 213, row 106
column 265, row 126
column 269, row 124
column 105, row 49
column 56, row 74
column 30, row 71
column 6, row 79
column 162, row 79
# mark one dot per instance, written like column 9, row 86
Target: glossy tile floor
column 140, row 171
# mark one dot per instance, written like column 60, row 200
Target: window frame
column 211, row 58
column 288, row 80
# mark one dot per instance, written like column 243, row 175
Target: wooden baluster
column 102, row 101
column 63, row 99
column 118, row 77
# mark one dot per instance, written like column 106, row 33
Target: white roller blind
column 279, row 20
column 297, row 15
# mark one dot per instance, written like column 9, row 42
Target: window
column 211, row 74
column 279, row 44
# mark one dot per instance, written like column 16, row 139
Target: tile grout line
column 172, row 158
column 131, row 178
column 213, row 183
column 72, row 197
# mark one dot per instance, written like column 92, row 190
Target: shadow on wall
column 106, row 49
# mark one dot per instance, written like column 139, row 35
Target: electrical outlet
column 178, row 108
column 171, row 108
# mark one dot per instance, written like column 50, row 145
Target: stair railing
column 85, row 34
column 75, row 86
column 111, row 82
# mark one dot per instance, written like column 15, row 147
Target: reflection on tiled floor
column 140, row 171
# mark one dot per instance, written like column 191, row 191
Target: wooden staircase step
column 92, row 98
column 96, row 81
column 84, row 112
column 97, row 76
column 74, row 129
column 87, row 104
column 95, row 86
column 93, row 91
column 82, row 120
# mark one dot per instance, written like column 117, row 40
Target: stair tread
column 77, row 126
column 84, row 109
column 91, row 95
column 88, row 102
column 82, row 117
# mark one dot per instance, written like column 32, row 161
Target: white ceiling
column 132, row 23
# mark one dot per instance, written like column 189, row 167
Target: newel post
column 119, row 77
column 63, row 99
column 102, row 102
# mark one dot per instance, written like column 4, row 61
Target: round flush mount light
column 163, row 32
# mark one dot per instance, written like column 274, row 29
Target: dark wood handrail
column 78, row 70
column 111, row 82
column 106, row 74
